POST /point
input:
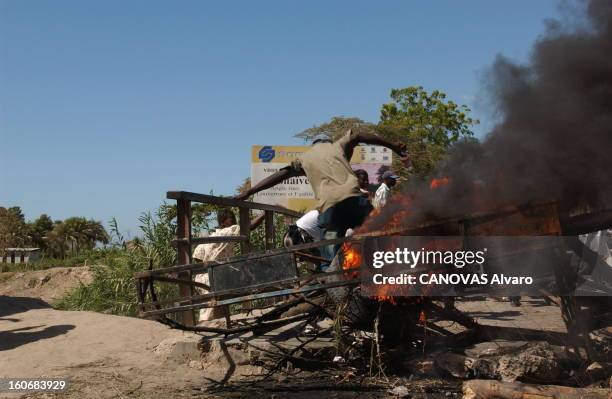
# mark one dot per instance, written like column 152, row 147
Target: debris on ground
column 486, row 389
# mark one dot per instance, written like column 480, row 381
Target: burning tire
column 357, row 311
column 396, row 321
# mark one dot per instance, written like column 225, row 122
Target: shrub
column 112, row 289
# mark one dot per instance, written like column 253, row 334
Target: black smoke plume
column 554, row 136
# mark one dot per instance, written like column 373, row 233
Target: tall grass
column 258, row 238
column 113, row 289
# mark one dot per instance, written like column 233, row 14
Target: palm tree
column 95, row 233
column 57, row 240
column 74, row 234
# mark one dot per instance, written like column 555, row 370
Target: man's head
column 389, row 178
column 226, row 218
column 321, row 138
column 362, row 178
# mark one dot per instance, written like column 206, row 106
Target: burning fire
column 352, row 257
column 352, row 260
column 383, row 297
column 422, row 318
column 435, row 183
column 400, row 209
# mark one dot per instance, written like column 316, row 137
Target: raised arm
column 369, row 138
column 271, row 181
column 374, row 139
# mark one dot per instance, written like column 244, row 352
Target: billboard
column 296, row 193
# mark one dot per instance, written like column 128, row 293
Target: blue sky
column 105, row 106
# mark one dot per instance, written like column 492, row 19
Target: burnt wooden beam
column 587, row 223
column 235, row 330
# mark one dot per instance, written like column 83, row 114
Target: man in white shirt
column 384, row 191
column 215, row 251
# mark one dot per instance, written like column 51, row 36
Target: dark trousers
column 336, row 220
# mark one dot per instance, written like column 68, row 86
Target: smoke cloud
column 554, row 136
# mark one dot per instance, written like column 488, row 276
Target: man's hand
column 403, row 154
column 405, row 160
column 400, row 148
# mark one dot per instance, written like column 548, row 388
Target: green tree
column 202, row 215
column 246, row 185
column 57, row 240
column 94, row 233
column 427, row 122
column 39, row 229
column 336, row 127
column 74, row 235
column 13, row 228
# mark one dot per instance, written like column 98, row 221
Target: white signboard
column 296, row 193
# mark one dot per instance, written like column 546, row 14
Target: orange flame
column 383, row 297
column 435, row 183
column 352, row 257
column 422, row 317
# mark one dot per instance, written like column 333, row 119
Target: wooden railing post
column 184, row 241
column 269, row 229
column 183, row 235
column 245, row 229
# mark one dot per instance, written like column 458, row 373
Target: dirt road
column 102, row 355
column 107, row 356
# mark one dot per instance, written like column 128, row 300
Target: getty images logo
column 266, row 153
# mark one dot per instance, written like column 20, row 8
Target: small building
column 19, row 255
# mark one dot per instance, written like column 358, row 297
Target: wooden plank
column 535, row 220
column 246, row 298
column 269, row 229
column 207, row 240
column 181, row 281
column 197, row 267
column 586, row 223
column 299, row 281
column 183, row 232
column 245, row 229
column 227, row 201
